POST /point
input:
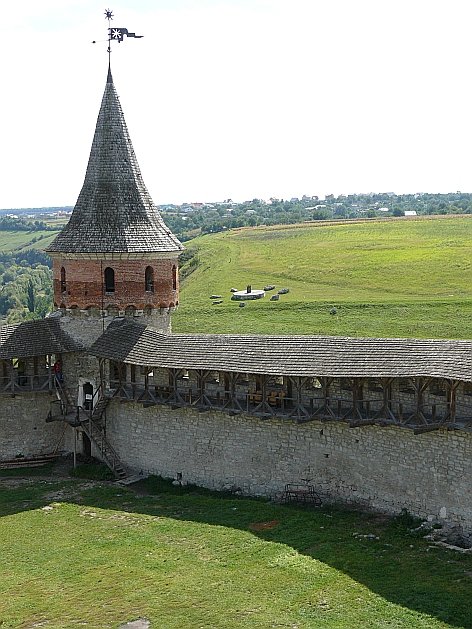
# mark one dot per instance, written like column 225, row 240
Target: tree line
column 190, row 220
column 12, row 223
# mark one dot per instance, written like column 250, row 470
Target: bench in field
column 301, row 492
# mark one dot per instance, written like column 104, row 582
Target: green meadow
column 79, row 553
column 16, row 241
column 405, row 278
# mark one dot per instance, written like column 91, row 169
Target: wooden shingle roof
column 114, row 212
column 35, row 338
column 137, row 344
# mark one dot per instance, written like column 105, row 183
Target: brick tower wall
column 84, row 284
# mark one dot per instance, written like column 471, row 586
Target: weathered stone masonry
column 387, row 469
column 23, row 428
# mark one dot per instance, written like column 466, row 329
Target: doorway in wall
column 87, row 389
column 86, row 446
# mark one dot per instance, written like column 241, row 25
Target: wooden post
column 453, row 386
column 173, row 377
column 298, row 385
column 12, row 376
column 355, row 397
column 202, row 378
column 101, row 368
column 75, row 448
column 263, row 382
column 420, row 387
column 232, row 378
column 48, row 361
column 326, row 383
column 385, row 397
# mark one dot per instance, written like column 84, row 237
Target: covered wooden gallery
column 28, row 352
column 420, row 384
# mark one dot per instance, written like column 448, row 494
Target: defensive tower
column 115, row 256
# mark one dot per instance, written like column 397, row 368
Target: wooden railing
column 24, row 384
column 62, row 408
column 272, row 403
column 96, row 434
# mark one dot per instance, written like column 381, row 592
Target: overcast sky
column 240, row 98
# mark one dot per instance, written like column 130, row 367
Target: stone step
column 132, row 478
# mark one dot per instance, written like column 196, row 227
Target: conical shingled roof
column 114, row 212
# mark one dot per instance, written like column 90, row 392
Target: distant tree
column 7, row 302
column 30, row 296
column 43, row 306
column 320, row 215
column 8, row 276
column 340, row 212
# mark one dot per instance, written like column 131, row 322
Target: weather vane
column 116, row 34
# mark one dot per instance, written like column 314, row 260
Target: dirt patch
column 13, row 483
column 141, row 623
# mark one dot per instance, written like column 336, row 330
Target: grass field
column 80, row 553
column 397, row 278
column 391, row 278
column 16, row 241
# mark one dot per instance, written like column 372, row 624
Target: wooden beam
column 358, row 423
column 419, row 430
column 452, row 398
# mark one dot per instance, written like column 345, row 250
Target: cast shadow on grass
column 378, row 552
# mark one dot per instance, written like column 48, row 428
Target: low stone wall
column 23, row 427
column 386, row 469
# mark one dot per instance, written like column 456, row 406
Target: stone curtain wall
column 23, row 427
column 386, row 469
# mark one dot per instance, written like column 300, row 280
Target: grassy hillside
column 80, row 553
column 398, row 278
column 16, row 241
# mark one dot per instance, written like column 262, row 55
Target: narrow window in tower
column 63, row 280
column 109, row 280
column 174, row 277
column 149, row 279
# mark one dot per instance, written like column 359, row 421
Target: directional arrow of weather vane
column 116, row 34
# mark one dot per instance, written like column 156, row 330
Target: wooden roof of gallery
column 134, row 343
column 36, row 338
